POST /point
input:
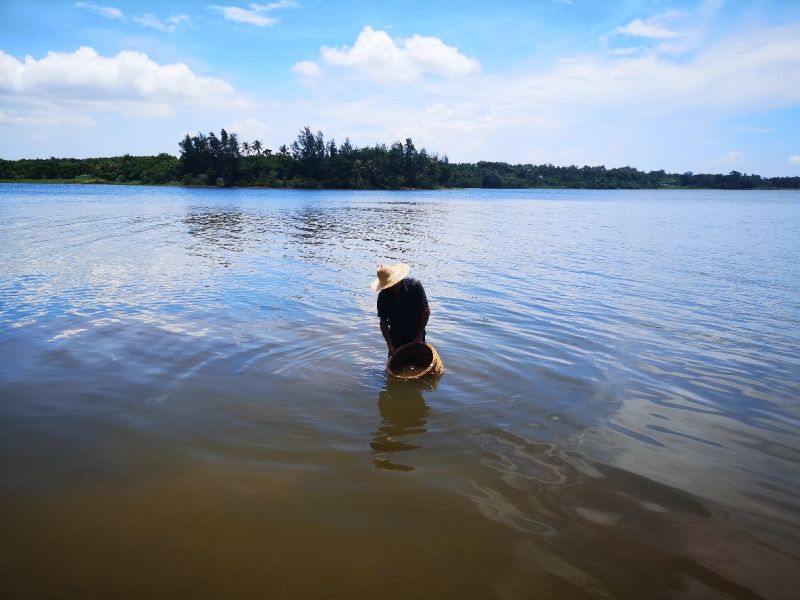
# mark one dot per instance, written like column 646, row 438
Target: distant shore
column 312, row 162
column 179, row 184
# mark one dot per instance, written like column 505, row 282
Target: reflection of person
column 402, row 306
column 404, row 413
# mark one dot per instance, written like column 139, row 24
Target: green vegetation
column 117, row 169
column 503, row 175
column 311, row 162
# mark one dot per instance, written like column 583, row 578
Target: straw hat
column 388, row 275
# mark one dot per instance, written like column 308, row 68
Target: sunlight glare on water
column 194, row 402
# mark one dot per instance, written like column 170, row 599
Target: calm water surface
column 192, row 401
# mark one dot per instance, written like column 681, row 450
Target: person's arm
column 423, row 321
column 424, row 312
column 383, row 314
column 387, row 336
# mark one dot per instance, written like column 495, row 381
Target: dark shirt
column 403, row 310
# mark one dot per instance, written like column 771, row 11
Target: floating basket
column 414, row 361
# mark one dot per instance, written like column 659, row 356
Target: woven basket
column 422, row 357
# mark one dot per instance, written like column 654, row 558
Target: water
column 194, row 405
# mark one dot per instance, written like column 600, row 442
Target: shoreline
column 178, row 184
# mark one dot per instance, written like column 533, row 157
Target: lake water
column 193, row 403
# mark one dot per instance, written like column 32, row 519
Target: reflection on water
column 594, row 528
column 216, row 233
column 189, row 380
column 404, row 414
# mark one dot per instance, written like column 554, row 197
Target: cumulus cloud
column 254, row 14
column 794, row 159
column 84, row 82
column 654, row 27
column 380, row 58
column 307, row 68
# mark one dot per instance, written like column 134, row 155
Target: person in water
column 402, row 306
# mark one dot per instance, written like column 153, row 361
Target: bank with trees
column 311, row 161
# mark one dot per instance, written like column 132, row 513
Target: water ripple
column 618, row 415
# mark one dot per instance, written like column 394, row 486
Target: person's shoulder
column 412, row 282
column 414, row 286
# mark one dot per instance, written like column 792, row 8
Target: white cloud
column 109, row 12
column 641, row 28
column 242, row 15
column 275, row 5
column 758, row 130
column 75, row 85
column 756, row 71
column 794, row 159
column 729, row 158
column 379, row 57
column 628, row 51
column 146, row 20
column 307, row 68
column 654, row 27
column 168, row 26
column 253, row 15
column 729, row 161
column 250, row 129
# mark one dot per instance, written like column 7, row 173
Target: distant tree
column 308, row 150
column 347, row 148
column 214, row 145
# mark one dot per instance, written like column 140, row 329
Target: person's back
column 402, row 306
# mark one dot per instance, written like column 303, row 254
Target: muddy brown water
column 193, row 400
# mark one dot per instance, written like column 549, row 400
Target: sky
column 702, row 86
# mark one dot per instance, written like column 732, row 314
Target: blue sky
column 704, row 86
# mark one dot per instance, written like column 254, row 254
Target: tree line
column 311, row 161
